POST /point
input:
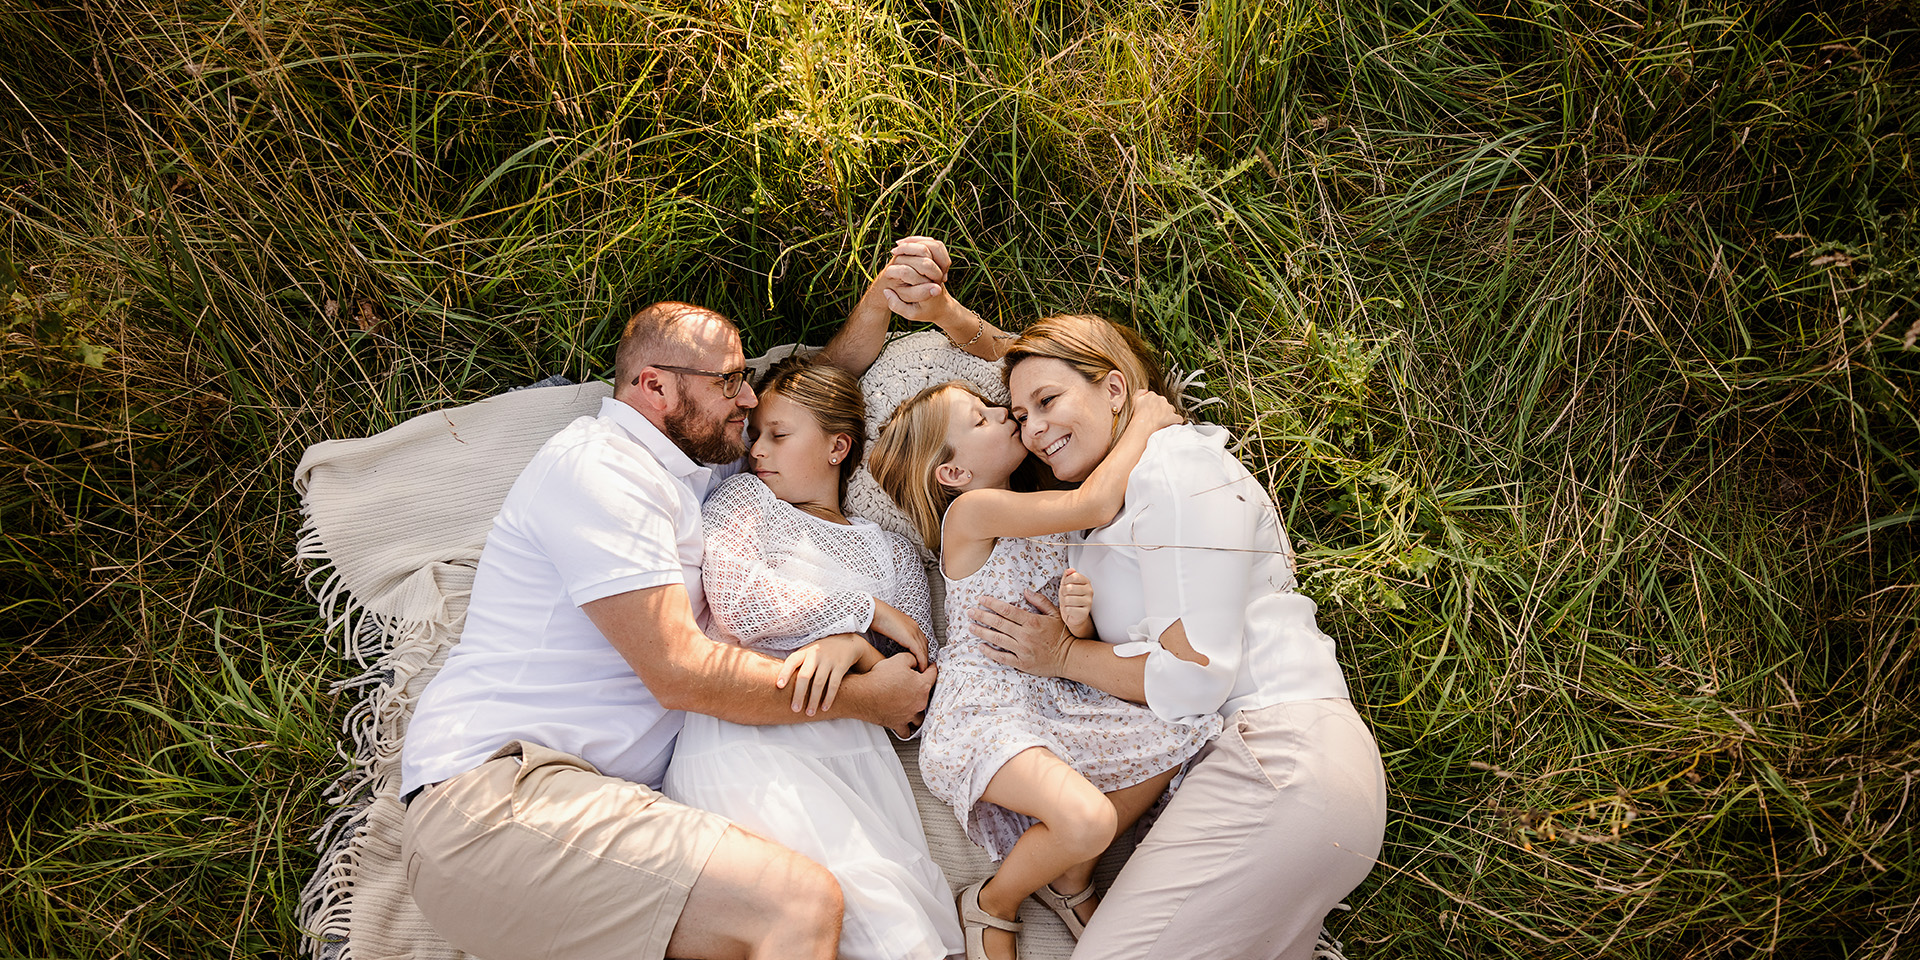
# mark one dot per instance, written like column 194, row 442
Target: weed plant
column 1576, row 341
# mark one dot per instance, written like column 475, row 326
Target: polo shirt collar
column 694, row 475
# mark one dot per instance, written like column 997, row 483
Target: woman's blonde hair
column 911, row 445
column 1094, row 347
column 832, row 395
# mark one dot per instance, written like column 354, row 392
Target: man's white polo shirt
column 607, row 506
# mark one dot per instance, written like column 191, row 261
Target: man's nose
column 746, row 399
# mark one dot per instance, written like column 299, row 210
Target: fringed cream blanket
column 393, row 526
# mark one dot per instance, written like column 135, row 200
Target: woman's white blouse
column 1199, row 542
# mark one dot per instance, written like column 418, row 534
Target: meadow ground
column 1576, row 341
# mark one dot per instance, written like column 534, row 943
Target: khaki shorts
column 536, row 854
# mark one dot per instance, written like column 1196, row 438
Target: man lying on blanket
column 533, row 828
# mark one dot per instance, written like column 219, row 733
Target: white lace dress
column 776, row 579
column 983, row 713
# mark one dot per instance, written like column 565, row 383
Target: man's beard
column 705, row 441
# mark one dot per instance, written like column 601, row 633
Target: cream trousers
column 1280, row 817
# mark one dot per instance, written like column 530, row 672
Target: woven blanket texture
column 392, row 527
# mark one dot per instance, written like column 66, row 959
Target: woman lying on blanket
column 788, row 574
column 1196, row 615
column 1004, row 748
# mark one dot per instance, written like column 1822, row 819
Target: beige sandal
column 1063, row 905
column 974, row 921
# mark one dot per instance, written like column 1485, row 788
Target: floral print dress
column 983, row 713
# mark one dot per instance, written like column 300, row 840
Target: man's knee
column 821, row 897
column 754, row 893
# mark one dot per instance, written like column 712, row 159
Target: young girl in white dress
column 789, row 575
column 1006, row 749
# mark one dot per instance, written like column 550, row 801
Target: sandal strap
column 972, row 914
column 987, row 919
column 1063, row 901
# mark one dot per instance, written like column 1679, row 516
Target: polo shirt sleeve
column 608, row 523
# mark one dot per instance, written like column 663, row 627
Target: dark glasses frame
column 730, row 383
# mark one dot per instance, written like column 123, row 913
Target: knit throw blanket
column 393, row 528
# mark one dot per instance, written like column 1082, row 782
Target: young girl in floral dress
column 1042, row 772
column 788, row 574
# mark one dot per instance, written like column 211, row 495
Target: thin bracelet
column 977, row 334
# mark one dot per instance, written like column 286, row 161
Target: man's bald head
column 668, row 332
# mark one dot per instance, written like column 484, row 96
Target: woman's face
column 1065, row 420
column 796, row 459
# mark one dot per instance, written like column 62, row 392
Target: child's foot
column 989, row 937
column 1073, row 909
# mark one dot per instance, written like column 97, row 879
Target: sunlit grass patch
column 1576, row 343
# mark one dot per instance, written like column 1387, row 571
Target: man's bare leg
column 757, row 900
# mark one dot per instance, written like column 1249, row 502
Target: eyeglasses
column 729, row 382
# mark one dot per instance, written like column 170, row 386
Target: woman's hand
column 819, row 667
column 1076, row 603
column 914, row 280
column 1035, row 643
column 890, row 622
column 1153, row 411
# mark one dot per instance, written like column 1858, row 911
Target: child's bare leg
column 1077, row 822
column 1129, row 804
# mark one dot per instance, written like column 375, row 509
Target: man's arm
column 912, row 284
column 655, row 631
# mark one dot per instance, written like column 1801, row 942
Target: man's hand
column 1076, row 603
column 819, row 666
column 914, row 282
column 893, row 694
column 890, row 622
column 915, row 276
column 1035, row 643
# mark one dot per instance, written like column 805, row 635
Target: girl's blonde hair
column 911, row 445
column 1093, row 346
column 832, row 395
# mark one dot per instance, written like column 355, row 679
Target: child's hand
column 1076, row 603
column 890, row 622
column 819, row 667
column 1154, row 411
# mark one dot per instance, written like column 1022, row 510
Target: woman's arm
column 989, row 514
column 1197, row 538
column 926, row 298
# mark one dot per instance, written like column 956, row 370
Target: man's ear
column 952, row 475
column 650, row 393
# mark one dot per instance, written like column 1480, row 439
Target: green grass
column 1576, row 342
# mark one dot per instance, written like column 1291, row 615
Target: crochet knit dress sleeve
column 774, row 579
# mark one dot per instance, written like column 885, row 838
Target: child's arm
column 750, row 599
column 979, row 515
column 819, row 667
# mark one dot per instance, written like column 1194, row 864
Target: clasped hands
column 817, row 670
column 914, row 281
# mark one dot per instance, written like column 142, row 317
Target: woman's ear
column 952, row 475
column 1114, row 389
